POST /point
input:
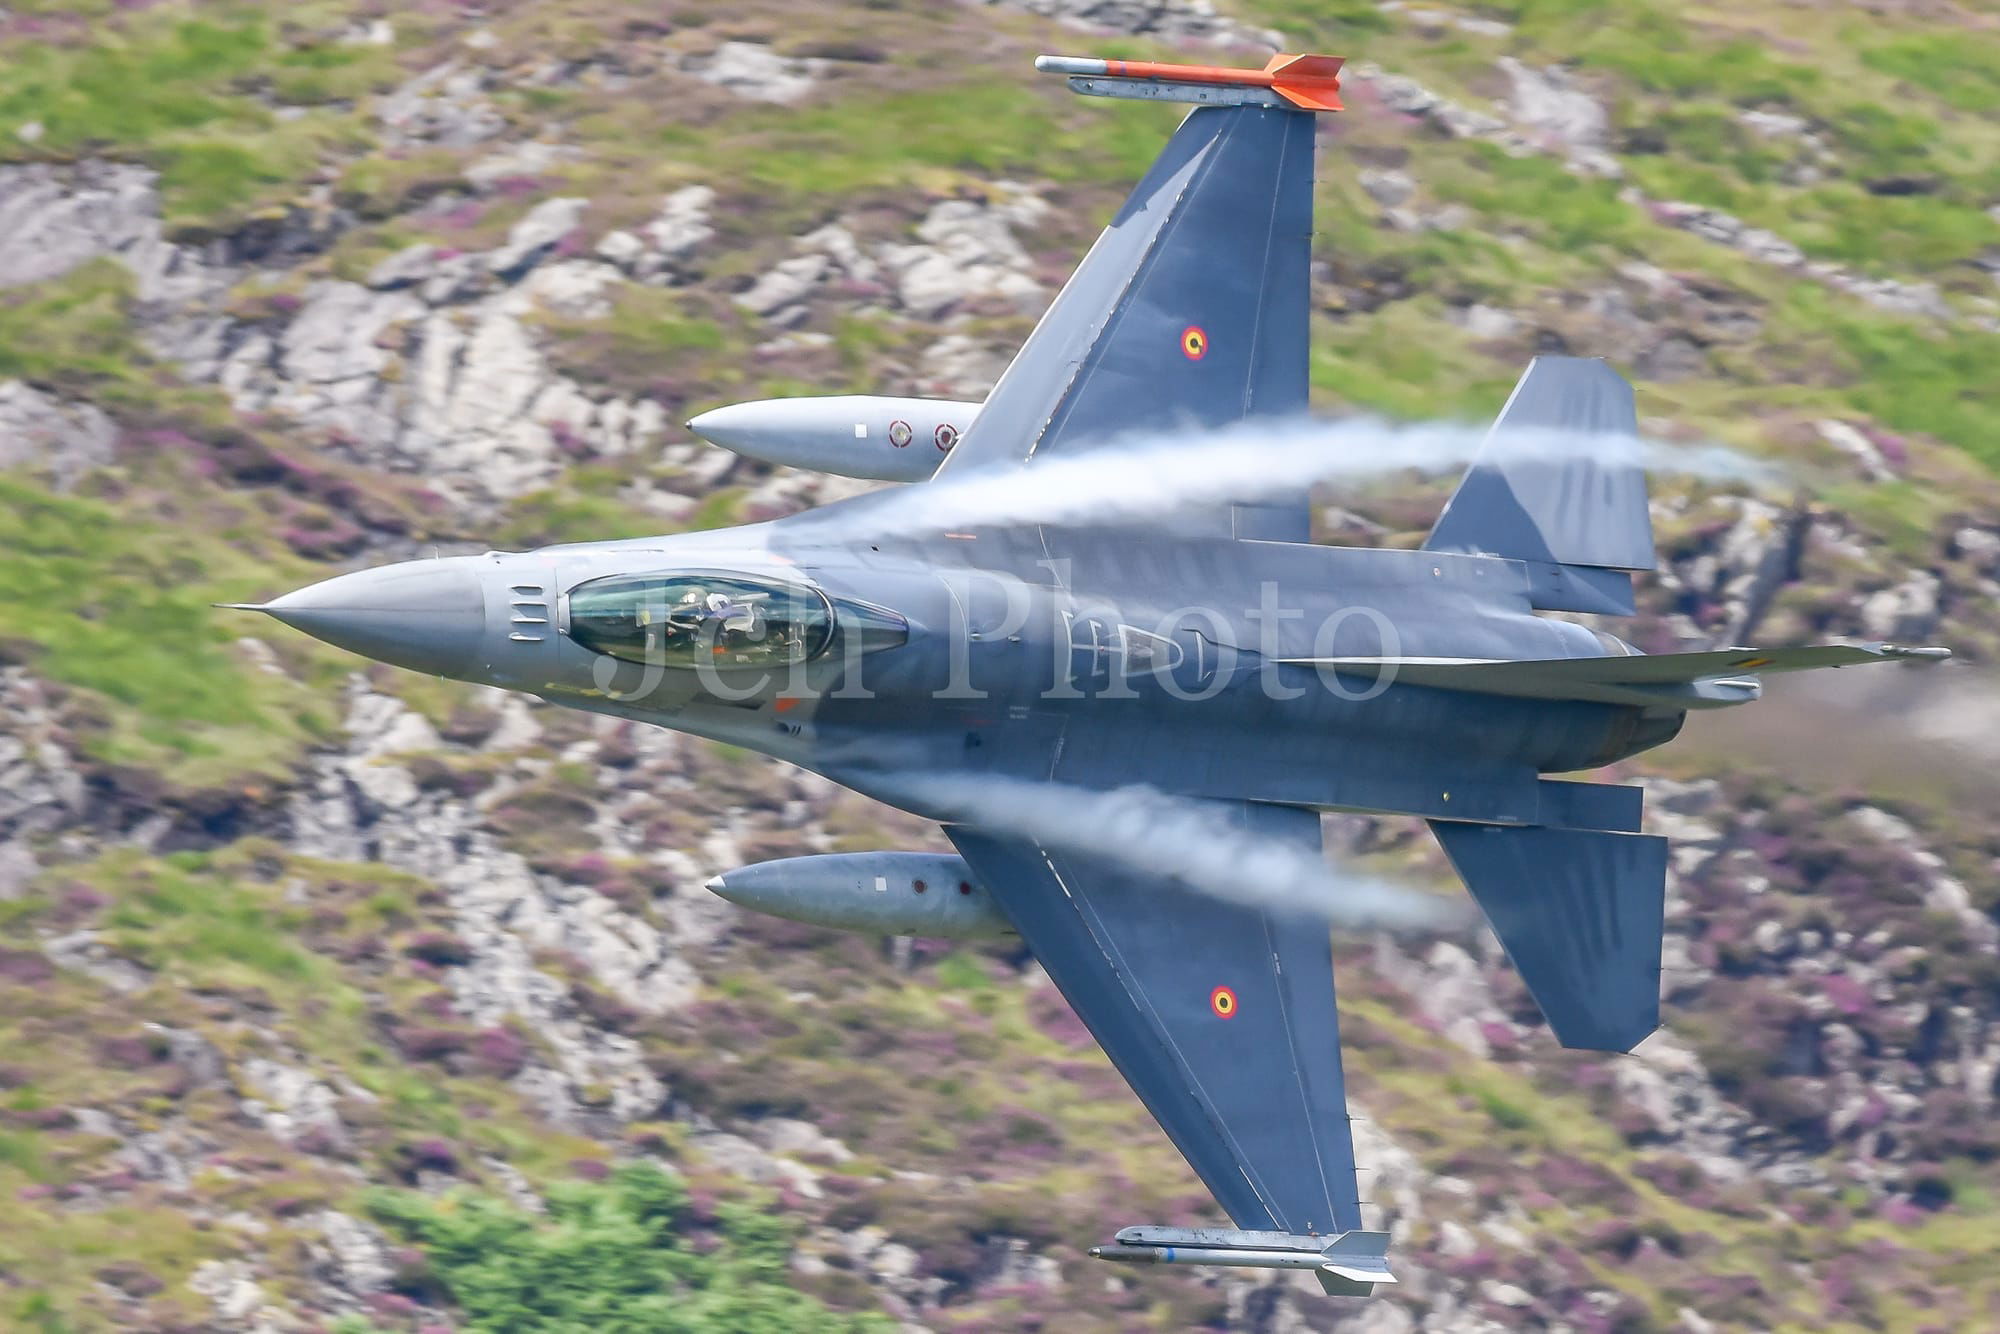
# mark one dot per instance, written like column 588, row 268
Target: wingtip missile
column 1308, row 82
column 1347, row 1263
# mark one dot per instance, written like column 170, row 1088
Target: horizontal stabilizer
column 1580, row 913
column 1681, row 680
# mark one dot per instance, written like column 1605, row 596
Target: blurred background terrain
column 332, row 997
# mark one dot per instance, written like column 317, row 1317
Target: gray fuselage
column 1041, row 653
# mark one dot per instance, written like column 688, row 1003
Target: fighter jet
column 1215, row 657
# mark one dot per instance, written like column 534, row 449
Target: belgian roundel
column 1223, row 1001
column 1194, row 342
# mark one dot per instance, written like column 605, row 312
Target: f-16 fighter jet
column 1214, row 657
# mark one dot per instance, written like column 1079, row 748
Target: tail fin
column 1581, row 912
column 1354, row 1262
column 1579, row 523
column 1190, row 312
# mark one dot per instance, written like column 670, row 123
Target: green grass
column 1405, row 364
column 1837, row 220
column 205, row 928
column 1324, row 22
column 120, row 607
column 978, row 129
column 77, row 335
column 651, row 334
column 961, row 972
column 1540, row 198
column 1875, row 140
column 1959, row 67
column 586, row 507
column 74, row 333
column 176, row 91
column 1908, row 377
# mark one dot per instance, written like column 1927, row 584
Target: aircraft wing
column 1220, row 1016
column 1706, row 679
column 1189, row 313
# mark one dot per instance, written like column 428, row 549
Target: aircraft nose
column 737, row 888
column 731, row 427
column 426, row 615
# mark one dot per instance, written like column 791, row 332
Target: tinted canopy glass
column 684, row 620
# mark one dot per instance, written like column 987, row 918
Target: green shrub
column 610, row 1257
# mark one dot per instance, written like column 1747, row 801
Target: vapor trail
column 1148, row 476
column 1190, row 842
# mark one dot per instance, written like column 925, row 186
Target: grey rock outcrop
column 41, row 789
column 968, row 252
column 755, row 71
column 432, row 368
column 353, row 1255
column 661, row 249
column 785, row 285
column 416, row 379
column 364, row 805
column 1905, row 612
column 1173, row 21
column 536, row 236
column 444, row 106
column 1550, row 114
column 1552, row 109
column 290, row 1101
column 54, row 218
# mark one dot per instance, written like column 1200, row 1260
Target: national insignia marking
column 1223, row 1001
column 1194, row 342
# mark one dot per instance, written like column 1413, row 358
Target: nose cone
column 426, row 615
column 744, row 427
column 746, row 888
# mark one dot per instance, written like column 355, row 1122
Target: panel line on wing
column 1198, row 170
column 1142, row 1001
column 1298, row 1073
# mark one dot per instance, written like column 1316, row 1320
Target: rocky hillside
column 336, row 998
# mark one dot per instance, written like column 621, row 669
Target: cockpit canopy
column 687, row 620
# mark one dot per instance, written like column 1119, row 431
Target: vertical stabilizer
column 1579, row 522
column 1189, row 314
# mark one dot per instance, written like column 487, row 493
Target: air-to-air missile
column 930, row 894
column 850, row 435
column 1310, row 83
column 1346, row 1265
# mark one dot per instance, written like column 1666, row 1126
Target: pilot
column 736, row 617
